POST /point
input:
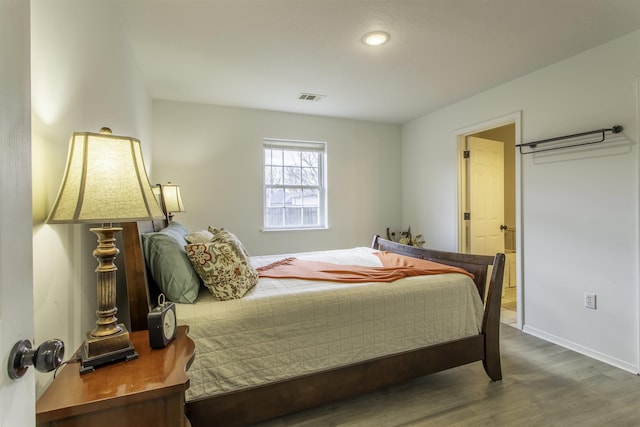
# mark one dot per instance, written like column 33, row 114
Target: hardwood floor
column 543, row 385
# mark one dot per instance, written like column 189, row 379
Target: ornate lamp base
column 97, row 351
column 109, row 341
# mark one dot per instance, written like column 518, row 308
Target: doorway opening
column 488, row 214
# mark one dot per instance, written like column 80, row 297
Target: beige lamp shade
column 105, row 181
column 172, row 198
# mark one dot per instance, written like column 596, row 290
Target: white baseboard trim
column 629, row 367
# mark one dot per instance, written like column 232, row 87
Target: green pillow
column 168, row 263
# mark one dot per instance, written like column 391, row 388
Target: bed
column 281, row 393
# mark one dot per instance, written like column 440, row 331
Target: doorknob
column 503, row 227
column 45, row 358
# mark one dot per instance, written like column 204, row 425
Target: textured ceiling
column 264, row 53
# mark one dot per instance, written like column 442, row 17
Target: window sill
column 271, row 230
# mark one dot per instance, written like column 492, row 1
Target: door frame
column 460, row 138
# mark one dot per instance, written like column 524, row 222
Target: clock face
column 169, row 325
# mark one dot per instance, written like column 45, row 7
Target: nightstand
column 147, row 391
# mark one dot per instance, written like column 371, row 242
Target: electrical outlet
column 590, row 300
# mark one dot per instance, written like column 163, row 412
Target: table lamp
column 170, row 199
column 105, row 182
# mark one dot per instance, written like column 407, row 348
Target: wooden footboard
column 276, row 399
column 490, row 291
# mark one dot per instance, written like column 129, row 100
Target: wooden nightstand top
column 155, row 374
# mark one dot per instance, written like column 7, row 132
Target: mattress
column 285, row 328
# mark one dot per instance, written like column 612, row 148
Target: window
column 294, row 185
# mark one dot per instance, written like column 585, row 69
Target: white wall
column 215, row 154
column 83, row 77
column 579, row 208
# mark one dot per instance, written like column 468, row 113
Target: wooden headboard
column 141, row 289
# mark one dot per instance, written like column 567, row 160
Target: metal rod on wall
column 534, row 144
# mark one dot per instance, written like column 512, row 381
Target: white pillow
column 199, row 236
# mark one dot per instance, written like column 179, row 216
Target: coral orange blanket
column 394, row 267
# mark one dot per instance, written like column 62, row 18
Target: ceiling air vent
column 310, row 97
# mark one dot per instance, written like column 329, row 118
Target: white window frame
column 269, row 144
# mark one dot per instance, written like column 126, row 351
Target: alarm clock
column 161, row 322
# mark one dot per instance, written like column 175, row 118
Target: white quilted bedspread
column 289, row 327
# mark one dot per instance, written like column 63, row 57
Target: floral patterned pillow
column 223, row 265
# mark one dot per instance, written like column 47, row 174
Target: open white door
column 17, row 397
column 486, row 196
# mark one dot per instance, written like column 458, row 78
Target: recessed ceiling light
column 375, row 38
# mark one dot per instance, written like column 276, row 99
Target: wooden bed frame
column 292, row 395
